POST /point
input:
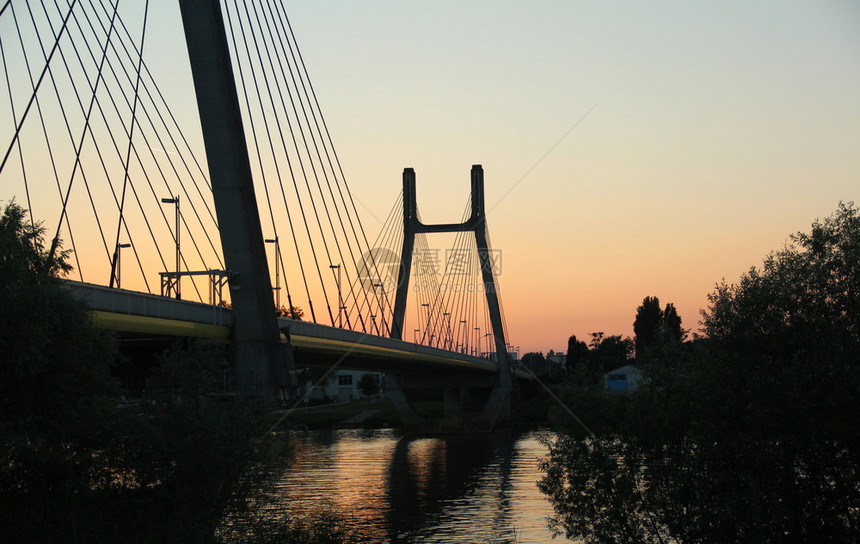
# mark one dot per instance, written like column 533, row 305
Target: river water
column 396, row 489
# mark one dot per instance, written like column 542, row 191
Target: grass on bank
column 384, row 415
column 329, row 416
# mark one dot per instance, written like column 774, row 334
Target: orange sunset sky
column 630, row 149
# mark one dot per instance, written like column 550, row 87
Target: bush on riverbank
column 750, row 435
column 77, row 465
column 325, row 525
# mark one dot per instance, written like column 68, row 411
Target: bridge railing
column 120, row 301
column 357, row 338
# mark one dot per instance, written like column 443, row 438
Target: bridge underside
column 468, row 385
column 468, row 389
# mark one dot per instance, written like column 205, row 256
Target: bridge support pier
column 470, row 403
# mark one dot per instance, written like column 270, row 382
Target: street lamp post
column 382, row 305
column 465, row 343
column 175, row 202
column 415, row 335
column 448, row 335
column 339, row 296
column 277, row 287
column 478, row 342
column 119, row 248
column 427, row 326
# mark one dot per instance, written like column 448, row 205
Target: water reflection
column 440, row 490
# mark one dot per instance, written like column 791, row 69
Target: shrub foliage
column 750, row 434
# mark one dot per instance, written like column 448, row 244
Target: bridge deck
column 139, row 315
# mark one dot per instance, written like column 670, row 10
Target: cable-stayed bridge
column 229, row 216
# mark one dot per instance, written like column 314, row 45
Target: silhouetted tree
column 55, row 386
column 609, row 353
column 293, row 312
column 648, row 322
column 75, row 465
column 653, row 325
column 534, row 361
column 672, row 323
column 368, row 385
column 749, row 435
column 577, row 351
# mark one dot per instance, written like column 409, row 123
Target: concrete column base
column 472, row 405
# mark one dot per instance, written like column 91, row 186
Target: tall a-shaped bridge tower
column 458, row 390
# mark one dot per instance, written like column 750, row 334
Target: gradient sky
column 630, row 149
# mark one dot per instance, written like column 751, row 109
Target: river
column 443, row 490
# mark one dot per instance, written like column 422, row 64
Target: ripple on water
column 436, row 490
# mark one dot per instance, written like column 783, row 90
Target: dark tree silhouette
column 78, row 465
column 672, row 323
column 368, row 385
column 577, row 351
column 653, row 325
column 534, row 361
column 648, row 322
column 749, row 434
column 293, row 312
column 609, row 353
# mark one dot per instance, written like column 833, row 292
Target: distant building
column 626, row 378
column 513, row 356
column 557, row 363
column 556, row 358
column 344, row 387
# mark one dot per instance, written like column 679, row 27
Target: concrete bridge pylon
column 470, row 404
column 259, row 360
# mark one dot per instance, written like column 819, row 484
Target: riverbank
column 381, row 414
